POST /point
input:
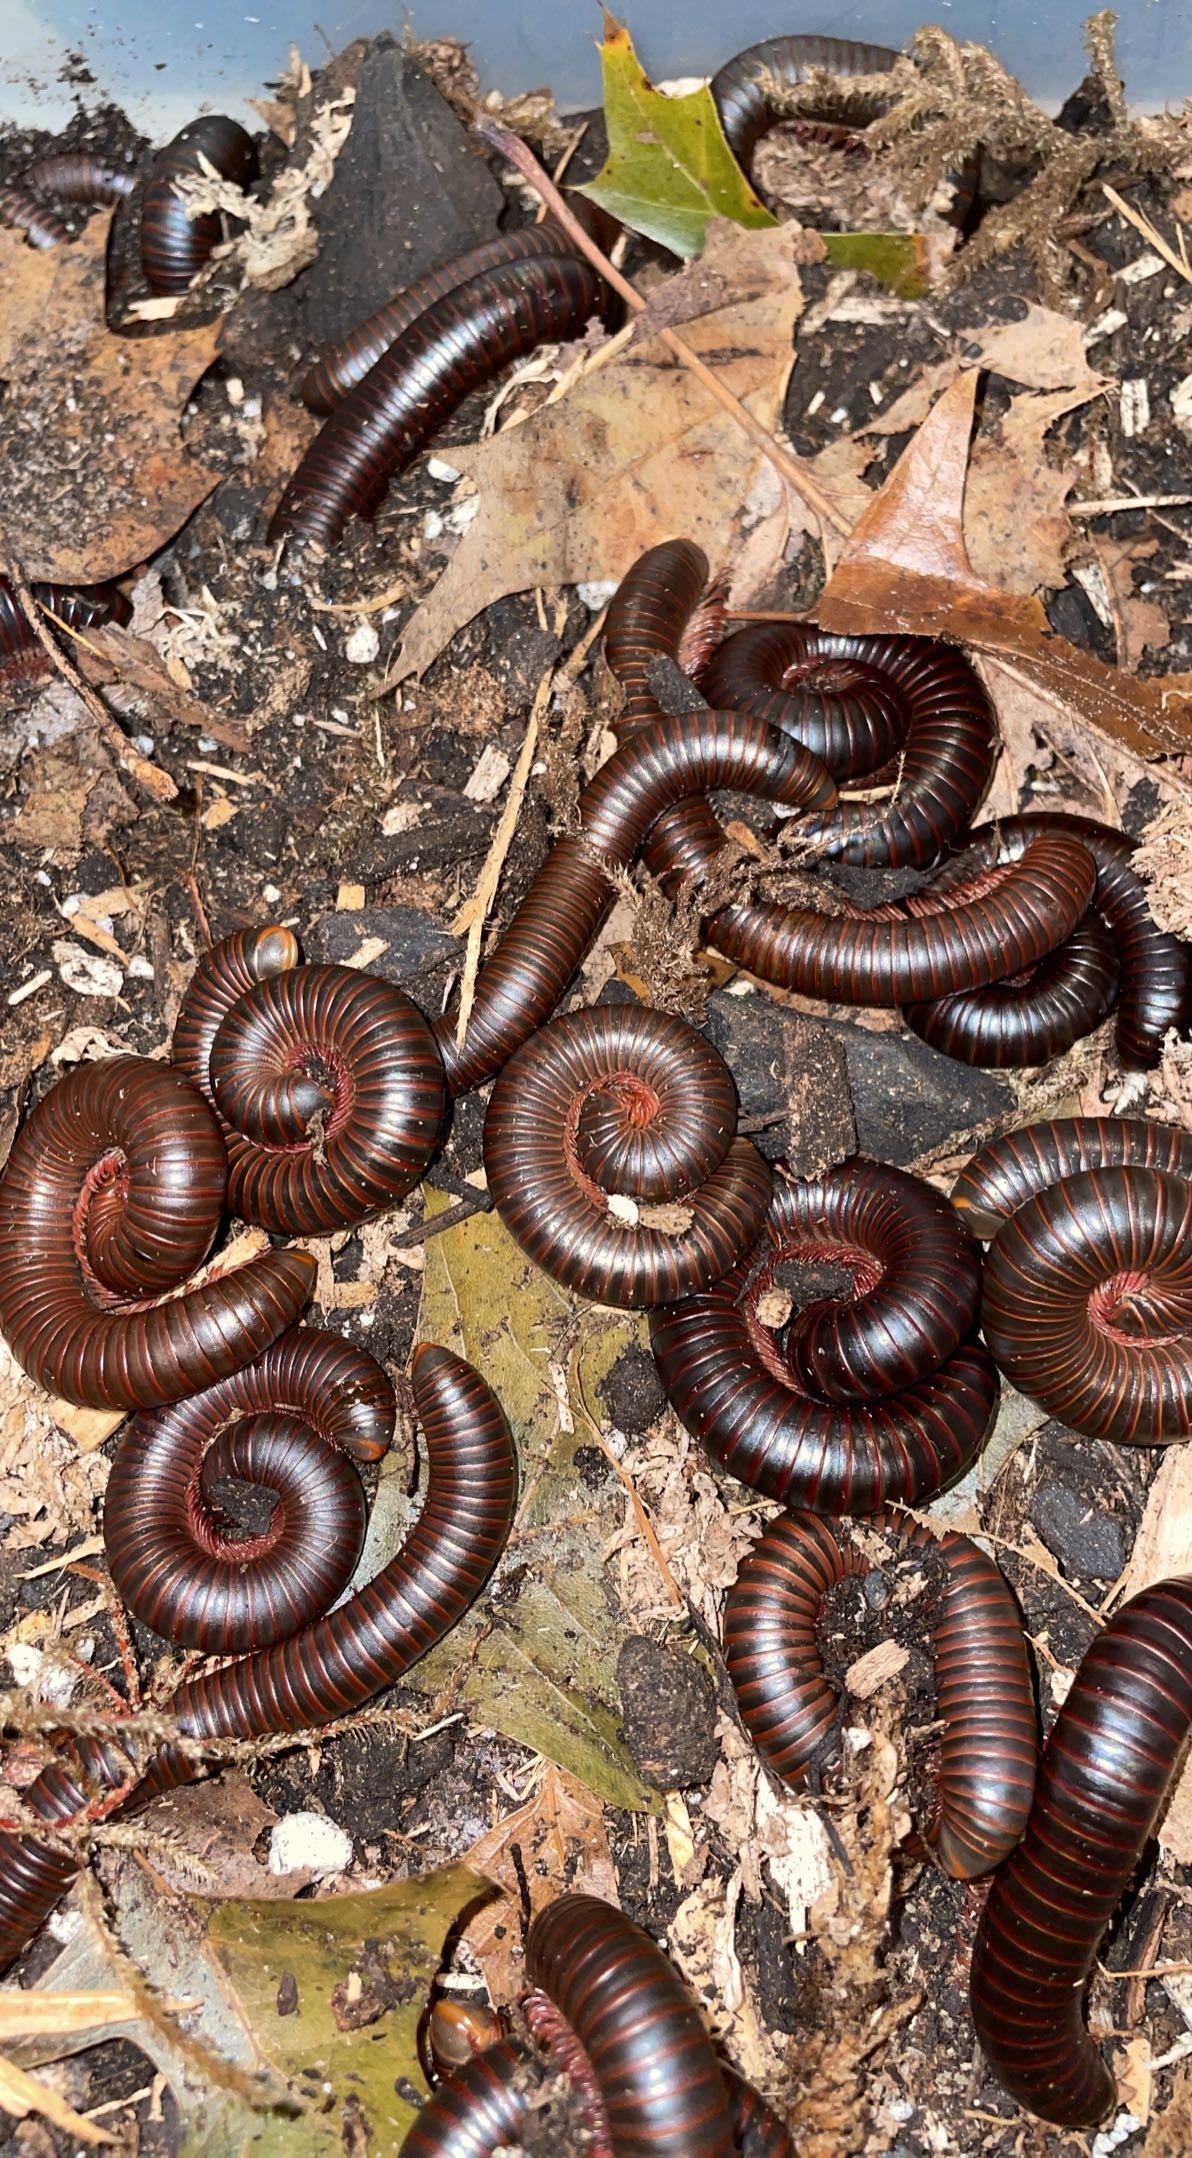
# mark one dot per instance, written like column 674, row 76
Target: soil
column 348, row 818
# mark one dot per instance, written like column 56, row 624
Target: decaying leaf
column 537, row 1662
column 91, row 419
column 636, row 452
column 559, row 1833
column 905, row 567
column 381, row 1951
column 669, row 169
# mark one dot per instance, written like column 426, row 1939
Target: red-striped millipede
column 1106, row 1768
column 458, row 343
column 1032, row 1017
column 883, row 709
column 79, row 606
column 346, row 364
column 743, row 88
column 292, row 1423
column 111, row 1196
column 326, row 1081
column 1087, row 1302
column 915, row 1292
column 625, row 1100
column 329, row 1669
column 988, row 1748
column 23, row 210
column 79, row 176
column 553, row 928
column 174, row 247
column 1155, row 966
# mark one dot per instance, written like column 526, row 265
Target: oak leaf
column 94, row 476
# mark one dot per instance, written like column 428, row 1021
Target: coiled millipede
column 878, row 1399
column 1087, row 1303
column 611, row 2012
column 744, row 88
column 1106, row 1768
column 792, row 1711
column 335, row 1663
column 627, row 1101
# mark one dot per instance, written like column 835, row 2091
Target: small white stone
column 438, row 468
column 362, row 645
column 597, row 594
column 270, row 894
column 50, row 1682
column 309, row 1843
column 140, row 967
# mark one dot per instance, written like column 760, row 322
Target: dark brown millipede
column 629, row 1101
column 1106, row 1769
column 326, row 1080
column 1087, row 1302
column 292, row 1423
column 983, row 1683
column 22, row 209
column 461, row 341
column 1155, row 966
column 915, row 1292
column 111, row 1197
column 174, row 247
column 79, row 176
column 1035, row 1015
column 743, row 89
column 79, row 606
column 328, row 1669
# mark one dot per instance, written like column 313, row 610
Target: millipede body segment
column 174, row 247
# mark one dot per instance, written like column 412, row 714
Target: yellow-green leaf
column 899, row 260
column 537, row 1660
column 338, row 1958
column 669, row 168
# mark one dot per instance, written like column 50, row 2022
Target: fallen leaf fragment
column 669, row 169
column 91, row 419
column 905, row 567
column 637, row 452
column 561, row 1837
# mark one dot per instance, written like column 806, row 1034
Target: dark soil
column 340, row 789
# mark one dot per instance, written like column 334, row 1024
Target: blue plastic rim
column 165, row 64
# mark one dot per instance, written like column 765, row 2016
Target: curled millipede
column 743, row 89
column 111, row 1197
column 329, row 1669
column 1032, row 1017
column 458, row 343
column 983, row 1684
column 79, row 176
column 629, row 1101
column 22, row 210
column 903, row 712
column 1155, row 966
column 1106, row 1769
column 553, row 928
column 1087, row 1302
column 346, row 363
column 79, row 606
column 326, row 1081
column 916, row 1283
column 479, row 2109
column 293, row 1422
column 174, row 247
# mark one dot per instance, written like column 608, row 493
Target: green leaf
column 669, row 169
column 898, row 260
column 319, row 1945
column 537, row 1661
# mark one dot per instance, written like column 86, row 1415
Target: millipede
column 1087, row 1299
column 328, row 1669
column 1106, row 1768
column 175, row 247
column 743, row 90
column 633, row 1102
column 458, row 343
column 792, row 1711
column 78, row 176
column 22, row 209
column 903, row 1399
column 81, row 607
column 326, row 1080
column 111, row 1196
column 1033, row 1016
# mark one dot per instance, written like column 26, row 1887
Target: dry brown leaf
column 91, row 419
column 560, row 1833
column 905, row 567
column 51, row 815
column 1142, row 626
column 1043, row 351
column 635, row 453
column 1016, row 527
column 134, row 660
column 218, row 1825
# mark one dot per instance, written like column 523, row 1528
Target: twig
column 447, row 1220
column 150, row 776
column 1115, row 503
column 1179, row 263
column 790, row 467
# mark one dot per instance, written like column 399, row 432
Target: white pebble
column 362, row 645
column 309, row 1843
column 597, row 594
